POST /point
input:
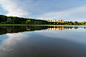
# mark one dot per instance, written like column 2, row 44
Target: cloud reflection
column 12, row 40
column 70, row 35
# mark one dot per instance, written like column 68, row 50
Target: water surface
column 43, row 41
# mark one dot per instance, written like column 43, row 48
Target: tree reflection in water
column 16, row 29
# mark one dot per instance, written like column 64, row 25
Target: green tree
column 28, row 21
column 9, row 20
column 75, row 23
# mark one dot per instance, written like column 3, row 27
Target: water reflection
column 25, row 45
column 54, row 43
column 16, row 29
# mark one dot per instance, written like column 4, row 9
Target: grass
column 21, row 24
column 13, row 24
column 18, row 24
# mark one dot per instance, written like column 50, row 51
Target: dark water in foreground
column 43, row 41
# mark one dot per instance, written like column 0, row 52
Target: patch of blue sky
column 2, row 12
column 40, row 8
column 2, row 37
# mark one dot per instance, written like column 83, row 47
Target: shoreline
column 13, row 25
column 36, row 25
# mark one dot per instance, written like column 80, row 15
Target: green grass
column 18, row 24
column 13, row 24
column 21, row 24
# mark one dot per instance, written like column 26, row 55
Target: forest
column 20, row 20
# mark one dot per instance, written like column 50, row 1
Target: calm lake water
column 43, row 41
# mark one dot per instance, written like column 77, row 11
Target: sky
column 67, row 10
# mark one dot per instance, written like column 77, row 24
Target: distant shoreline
column 13, row 25
column 36, row 25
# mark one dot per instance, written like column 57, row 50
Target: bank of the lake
column 36, row 25
column 20, row 24
column 13, row 24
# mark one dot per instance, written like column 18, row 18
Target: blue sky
column 72, row 10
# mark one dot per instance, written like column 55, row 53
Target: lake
column 43, row 41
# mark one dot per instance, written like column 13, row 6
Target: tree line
column 20, row 20
column 67, row 23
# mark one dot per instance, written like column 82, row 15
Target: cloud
column 65, row 34
column 12, row 39
column 45, row 9
column 12, row 8
column 62, row 14
column 77, row 13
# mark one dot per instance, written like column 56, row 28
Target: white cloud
column 62, row 14
column 42, row 10
column 12, row 8
column 77, row 13
column 66, row 34
column 12, row 40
